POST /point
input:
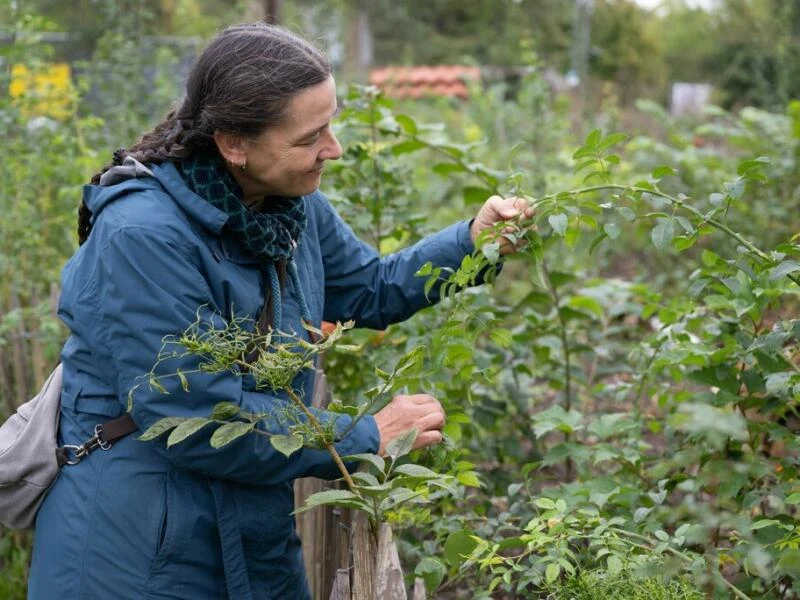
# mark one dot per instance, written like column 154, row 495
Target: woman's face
column 288, row 158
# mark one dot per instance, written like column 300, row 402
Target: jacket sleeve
column 376, row 291
column 147, row 287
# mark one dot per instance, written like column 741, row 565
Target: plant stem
column 328, row 445
column 567, row 366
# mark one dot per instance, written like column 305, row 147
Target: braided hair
column 241, row 83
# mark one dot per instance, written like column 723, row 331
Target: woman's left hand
column 497, row 209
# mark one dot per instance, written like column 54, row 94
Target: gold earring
column 243, row 166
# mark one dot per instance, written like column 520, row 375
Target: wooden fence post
column 324, row 530
column 364, row 550
column 389, row 584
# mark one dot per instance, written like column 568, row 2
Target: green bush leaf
column 373, row 459
column 476, row 195
column 662, row 234
column 558, row 223
column 417, row 471
column 160, row 427
column 229, row 432
column 185, row 429
column 401, row 445
column 662, row 171
column 286, row 444
column 224, row 411
column 551, row 572
column 406, row 147
column 458, row 546
column 432, row 571
column 785, row 268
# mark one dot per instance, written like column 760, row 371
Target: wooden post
column 419, row 590
column 389, row 583
column 364, row 548
column 341, row 586
column 324, row 530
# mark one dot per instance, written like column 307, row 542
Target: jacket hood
column 132, row 176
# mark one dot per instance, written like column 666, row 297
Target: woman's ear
column 231, row 147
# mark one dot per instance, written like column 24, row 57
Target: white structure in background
column 689, row 98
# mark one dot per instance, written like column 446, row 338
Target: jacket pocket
column 163, row 527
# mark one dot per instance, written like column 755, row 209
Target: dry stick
column 322, row 436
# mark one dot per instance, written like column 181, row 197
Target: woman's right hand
column 405, row 412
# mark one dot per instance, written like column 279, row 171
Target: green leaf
column 160, row 427
column 611, row 140
column 408, row 124
column 627, row 213
column 458, row 546
column 224, row 411
column 373, row 459
column 229, row 432
column 552, row 572
column 445, row 169
column 184, row 381
column 406, row 147
column 501, row 337
column 344, row 498
column 612, row 230
column 402, row 444
column 735, row 189
column 287, row 444
column 469, row 479
column 476, row 195
column 614, row 565
column 545, row 503
column 417, row 471
column 662, row 234
column 594, row 137
column 716, row 198
column 793, row 499
column 558, row 223
column 662, row 171
column 762, row 523
column 787, row 267
column 185, row 429
column 432, row 571
column 491, row 251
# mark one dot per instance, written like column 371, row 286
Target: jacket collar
column 198, row 208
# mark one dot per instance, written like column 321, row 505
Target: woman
column 215, row 210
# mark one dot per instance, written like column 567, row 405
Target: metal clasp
column 82, row 451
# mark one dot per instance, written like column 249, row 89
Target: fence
column 345, row 559
column 25, row 346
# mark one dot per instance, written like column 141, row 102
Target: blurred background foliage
column 584, row 358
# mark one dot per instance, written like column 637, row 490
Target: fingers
column 415, row 411
column 428, row 438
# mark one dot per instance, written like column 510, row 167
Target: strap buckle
column 74, row 454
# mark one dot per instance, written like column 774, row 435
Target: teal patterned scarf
column 270, row 234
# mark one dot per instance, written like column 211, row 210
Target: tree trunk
column 272, row 11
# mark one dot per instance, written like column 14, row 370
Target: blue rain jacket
column 143, row 521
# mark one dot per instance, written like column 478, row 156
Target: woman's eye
column 310, row 141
